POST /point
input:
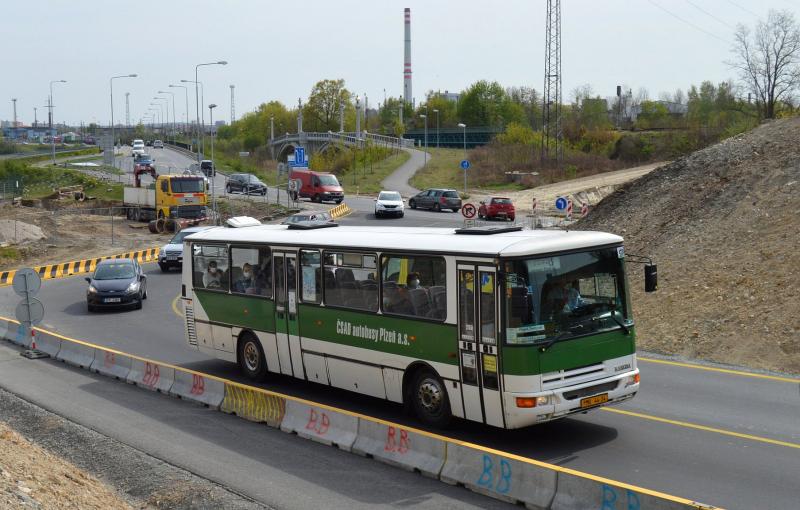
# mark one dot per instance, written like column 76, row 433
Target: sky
column 278, row 49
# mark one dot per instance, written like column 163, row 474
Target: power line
column 745, row 9
column 688, row 22
column 710, row 15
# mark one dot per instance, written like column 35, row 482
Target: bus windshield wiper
column 621, row 323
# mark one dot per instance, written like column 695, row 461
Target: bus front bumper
column 524, row 409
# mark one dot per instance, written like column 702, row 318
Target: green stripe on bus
column 238, row 310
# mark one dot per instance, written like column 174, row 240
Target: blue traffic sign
column 561, row 203
column 299, row 157
column 465, row 164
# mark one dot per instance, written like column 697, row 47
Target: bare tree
column 769, row 61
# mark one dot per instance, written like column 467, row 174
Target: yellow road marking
column 721, row 370
column 702, row 427
column 175, row 306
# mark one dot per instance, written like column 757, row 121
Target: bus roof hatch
column 485, row 230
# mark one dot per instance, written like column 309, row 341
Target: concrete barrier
column 320, row 424
column 15, row 333
column 150, row 375
column 253, row 404
column 395, row 445
column 499, row 476
column 111, row 364
column 76, row 353
column 48, row 342
column 577, row 491
column 198, row 388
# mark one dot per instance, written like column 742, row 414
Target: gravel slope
column 722, row 224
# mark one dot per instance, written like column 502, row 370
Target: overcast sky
column 279, row 49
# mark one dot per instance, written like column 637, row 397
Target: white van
column 137, row 149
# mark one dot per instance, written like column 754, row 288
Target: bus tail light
column 634, row 379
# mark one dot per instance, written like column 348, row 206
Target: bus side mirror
column 650, row 278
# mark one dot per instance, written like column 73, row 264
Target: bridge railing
column 347, row 138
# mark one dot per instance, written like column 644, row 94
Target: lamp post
column 157, row 98
column 358, row 117
column 186, row 97
column 160, row 110
column 197, row 104
column 202, row 106
column 214, row 168
column 173, row 110
column 111, row 88
column 437, row 127
column 423, row 116
column 52, row 123
column 464, row 127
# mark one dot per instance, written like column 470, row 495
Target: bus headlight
column 631, row 380
column 529, row 402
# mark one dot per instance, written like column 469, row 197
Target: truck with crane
column 182, row 198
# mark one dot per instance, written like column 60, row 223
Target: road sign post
column 465, row 166
column 29, row 311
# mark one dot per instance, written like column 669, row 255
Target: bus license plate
column 112, row 300
column 595, row 400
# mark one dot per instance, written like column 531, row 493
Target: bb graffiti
column 496, row 477
column 151, row 374
column 318, row 422
column 393, row 444
column 109, row 360
column 198, row 385
column 610, row 498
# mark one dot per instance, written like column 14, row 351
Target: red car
column 497, row 207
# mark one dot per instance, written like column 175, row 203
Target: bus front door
column 478, row 349
column 286, row 329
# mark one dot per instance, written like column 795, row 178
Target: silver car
column 171, row 254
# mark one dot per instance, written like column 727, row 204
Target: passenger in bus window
column 212, row 278
column 246, row 284
column 412, row 282
column 264, row 276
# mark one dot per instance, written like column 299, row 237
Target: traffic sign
column 26, row 282
column 561, row 203
column 468, row 211
column 465, row 164
column 30, row 312
column 299, row 157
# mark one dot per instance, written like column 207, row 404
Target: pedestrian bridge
column 320, row 142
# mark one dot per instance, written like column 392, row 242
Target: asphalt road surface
column 721, row 437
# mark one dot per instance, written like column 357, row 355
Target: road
column 723, row 438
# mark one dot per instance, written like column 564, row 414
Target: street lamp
column 202, row 106
column 437, row 127
column 464, row 127
column 111, row 88
column 173, row 110
column 197, row 104
column 161, row 105
column 213, row 167
column 52, row 122
column 423, row 116
column 186, row 97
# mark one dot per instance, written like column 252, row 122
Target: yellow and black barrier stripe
column 63, row 269
column 340, row 211
column 253, row 405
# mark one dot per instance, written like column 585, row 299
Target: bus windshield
column 565, row 296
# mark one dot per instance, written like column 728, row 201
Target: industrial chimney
column 407, row 95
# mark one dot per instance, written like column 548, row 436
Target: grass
column 47, row 157
column 370, row 183
column 444, row 171
column 9, row 255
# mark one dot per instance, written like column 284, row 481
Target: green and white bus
column 509, row 328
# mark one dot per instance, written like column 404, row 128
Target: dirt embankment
column 723, row 226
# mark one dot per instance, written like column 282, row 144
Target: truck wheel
column 153, row 226
column 130, row 214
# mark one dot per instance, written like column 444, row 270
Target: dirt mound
column 19, row 232
column 723, row 225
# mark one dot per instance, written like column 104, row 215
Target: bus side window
column 311, row 289
column 414, row 286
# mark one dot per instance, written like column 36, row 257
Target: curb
column 64, row 269
column 496, row 474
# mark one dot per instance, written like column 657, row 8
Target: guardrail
column 494, row 473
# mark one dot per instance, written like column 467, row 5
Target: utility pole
column 14, row 125
column 552, row 135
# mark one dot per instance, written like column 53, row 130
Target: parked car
column 245, row 183
column 436, row 199
column 158, row 144
column 389, row 203
column 116, row 282
column 497, row 208
column 207, row 167
column 171, row 254
column 308, row 216
column 318, row 186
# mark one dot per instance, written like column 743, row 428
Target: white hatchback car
column 389, row 203
column 171, row 254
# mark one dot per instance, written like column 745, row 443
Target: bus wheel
column 251, row 357
column 430, row 401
